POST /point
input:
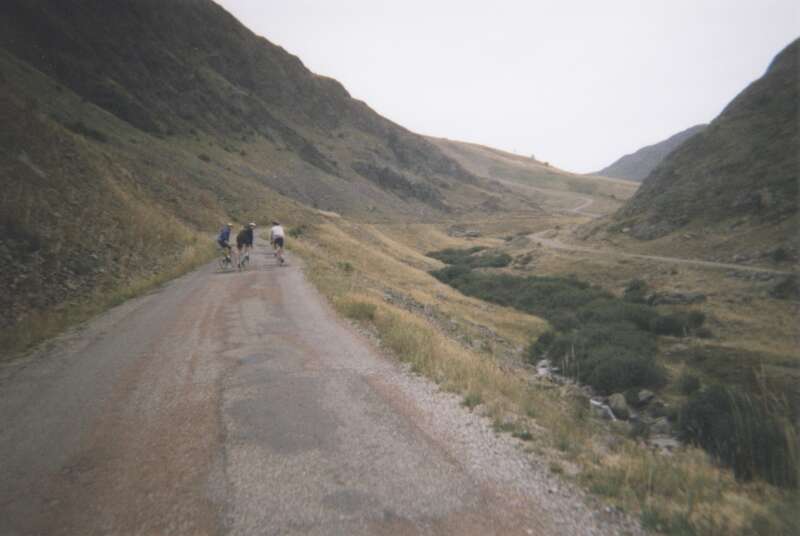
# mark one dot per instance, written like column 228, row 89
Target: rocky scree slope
column 739, row 173
column 638, row 165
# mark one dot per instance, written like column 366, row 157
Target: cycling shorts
column 279, row 241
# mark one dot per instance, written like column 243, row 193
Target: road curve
column 236, row 403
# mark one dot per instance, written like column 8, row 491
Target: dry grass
column 42, row 325
column 354, row 265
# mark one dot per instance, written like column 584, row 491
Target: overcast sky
column 575, row 83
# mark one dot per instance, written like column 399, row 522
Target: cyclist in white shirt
column 276, row 237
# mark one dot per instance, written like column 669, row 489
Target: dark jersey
column 245, row 237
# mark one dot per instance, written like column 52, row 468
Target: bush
column 743, row 432
column 450, row 274
column 467, row 257
column 786, row 289
column 615, row 311
column 539, row 348
column 636, row 291
column 677, row 324
column 609, row 372
column 472, row 400
column 687, row 383
column 296, row 232
column 204, row 157
column 454, row 256
column 703, row 333
column 494, row 260
column 609, row 357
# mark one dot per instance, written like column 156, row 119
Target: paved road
column 232, row 403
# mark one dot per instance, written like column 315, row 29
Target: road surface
column 236, row 403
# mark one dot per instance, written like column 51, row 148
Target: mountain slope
column 133, row 129
column 637, row 166
column 738, row 175
column 552, row 187
column 186, row 69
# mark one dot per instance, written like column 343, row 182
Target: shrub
column 609, row 357
column 453, row 255
column 610, row 372
column 786, row 289
column 695, row 319
column 636, row 291
column 780, row 254
column 296, row 232
column 472, row 400
column 345, row 266
column 538, row 348
column 687, row 383
column 743, row 432
column 204, row 157
column 467, row 257
column 494, row 260
column 450, row 274
column 614, row 311
column 703, row 333
column 678, row 324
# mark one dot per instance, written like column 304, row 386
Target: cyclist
column 276, row 235
column 222, row 240
column 244, row 241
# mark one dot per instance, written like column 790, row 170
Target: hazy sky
column 576, row 83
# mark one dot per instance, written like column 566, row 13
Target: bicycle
column 225, row 263
column 244, row 262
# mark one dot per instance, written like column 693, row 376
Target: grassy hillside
column 737, row 178
column 188, row 70
column 638, row 165
column 552, row 187
column 132, row 132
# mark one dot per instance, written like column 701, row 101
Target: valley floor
column 236, row 403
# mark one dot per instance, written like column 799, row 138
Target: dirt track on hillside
column 237, row 403
column 553, row 243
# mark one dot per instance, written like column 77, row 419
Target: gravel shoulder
column 238, row 403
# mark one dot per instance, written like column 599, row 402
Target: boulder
column 619, row 406
column 645, row 396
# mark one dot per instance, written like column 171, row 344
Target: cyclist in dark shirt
column 223, row 238
column 244, row 241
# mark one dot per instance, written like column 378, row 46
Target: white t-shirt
column 276, row 232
